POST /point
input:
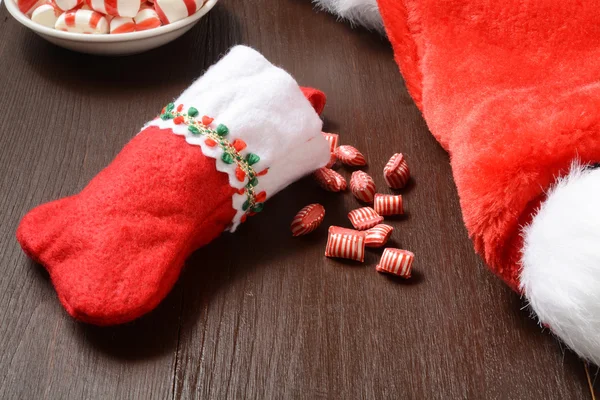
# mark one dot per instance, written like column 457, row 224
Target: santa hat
column 357, row 12
column 232, row 140
column 512, row 94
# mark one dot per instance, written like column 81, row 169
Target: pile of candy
column 369, row 231
column 107, row 16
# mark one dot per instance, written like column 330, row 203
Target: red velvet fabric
column 509, row 89
column 115, row 250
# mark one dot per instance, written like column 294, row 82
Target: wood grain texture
column 258, row 314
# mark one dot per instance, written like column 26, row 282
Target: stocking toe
column 41, row 227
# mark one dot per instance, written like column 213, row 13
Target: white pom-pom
column 358, row 12
column 561, row 262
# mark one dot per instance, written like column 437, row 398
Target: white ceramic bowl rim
column 121, row 37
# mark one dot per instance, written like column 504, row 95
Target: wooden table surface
column 276, row 319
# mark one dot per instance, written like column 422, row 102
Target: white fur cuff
column 357, row 12
column 263, row 106
column 561, row 262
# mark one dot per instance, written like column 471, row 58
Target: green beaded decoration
column 192, row 112
column 252, row 158
column 222, row 130
column 227, row 158
column 253, row 181
column 230, row 154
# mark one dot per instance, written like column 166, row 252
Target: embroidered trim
column 231, row 153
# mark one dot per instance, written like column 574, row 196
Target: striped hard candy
column 307, row 219
column 170, row 11
column 395, row 172
column 116, row 8
column 84, row 6
column 388, row 204
column 350, row 156
column 362, row 186
column 330, row 180
column 345, row 243
column 28, row 6
column 378, row 235
column 46, row 15
column 122, row 25
column 68, row 5
column 147, row 18
column 332, row 139
column 364, row 218
column 397, row 262
column 82, row 21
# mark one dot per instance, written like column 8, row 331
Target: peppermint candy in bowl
column 109, row 27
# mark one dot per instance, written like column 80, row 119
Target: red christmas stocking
column 232, row 140
column 510, row 89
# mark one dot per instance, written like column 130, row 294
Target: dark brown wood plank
column 258, row 314
column 278, row 320
column 65, row 117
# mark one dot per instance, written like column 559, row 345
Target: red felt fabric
column 115, row 250
column 316, row 98
column 510, row 89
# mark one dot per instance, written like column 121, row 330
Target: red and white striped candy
column 307, row 219
column 84, row 6
column 46, row 15
column 340, row 181
column 28, row 6
column 122, row 25
column 332, row 160
column 82, row 21
column 332, row 138
column 170, row 11
column 364, row 218
column 388, row 204
column 397, row 262
column 362, row 186
column 378, row 235
column 350, row 156
column 396, row 172
column 147, row 18
column 116, row 8
column 345, row 243
column 330, row 180
column 68, row 5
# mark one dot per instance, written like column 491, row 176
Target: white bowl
column 119, row 44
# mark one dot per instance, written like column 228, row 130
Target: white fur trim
column 264, row 106
column 561, row 262
column 357, row 12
